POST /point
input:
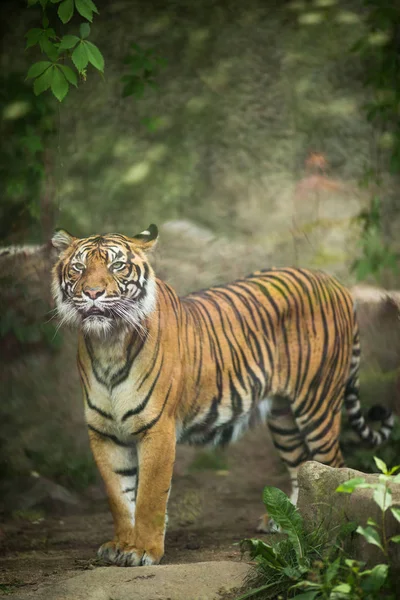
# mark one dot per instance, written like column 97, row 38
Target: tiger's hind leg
column 290, row 443
column 322, row 435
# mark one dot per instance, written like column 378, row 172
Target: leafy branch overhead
column 144, row 66
column 53, row 73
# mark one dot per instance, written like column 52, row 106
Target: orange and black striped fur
column 157, row 369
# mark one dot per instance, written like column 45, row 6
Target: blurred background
column 254, row 134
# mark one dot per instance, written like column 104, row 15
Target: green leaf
column 394, row 469
column 92, row 6
column 33, row 36
column 43, row 82
column 351, row 563
column 395, row 539
column 332, row 570
column 310, row 595
column 84, row 30
column 342, row 588
column 383, row 497
column 38, row 68
column 32, row 143
column 371, row 535
column 375, row 579
column 134, row 87
column 395, row 512
column 371, row 522
column 348, row 487
column 255, row 591
column 285, row 514
column 59, row 85
column 381, row 465
column 294, row 572
column 48, row 48
column 68, row 42
column 50, row 33
column 396, row 478
column 70, row 75
column 80, row 57
column 45, row 21
column 259, row 549
column 83, row 7
column 95, row 56
column 66, row 10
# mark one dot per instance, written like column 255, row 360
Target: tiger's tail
column 369, row 436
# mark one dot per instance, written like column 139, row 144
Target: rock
column 197, row 581
column 319, row 502
column 38, row 491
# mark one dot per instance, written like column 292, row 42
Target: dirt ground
column 210, row 510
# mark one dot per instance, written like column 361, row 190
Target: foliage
column 376, row 254
column 144, row 66
column 290, row 562
column 71, row 469
column 67, row 56
column 27, row 124
column 376, row 534
column 380, row 52
column 19, row 316
column 379, row 49
column 309, row 567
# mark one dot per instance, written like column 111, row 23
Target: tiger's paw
column 127, row 555
column 268, row 525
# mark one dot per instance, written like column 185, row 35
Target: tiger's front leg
column 118, row 468
column 156, row 454
column 139, row 519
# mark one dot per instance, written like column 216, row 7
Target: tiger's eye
column 117, row 266
column 78, row 266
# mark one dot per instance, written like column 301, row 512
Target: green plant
column 53, row 73
column 379, row 51
column 73, row 470
column 376, row 255
column 143, row 66
column 22, row 316
column 27, row 124
column 285, row 564
column 310, row 567
column 375, row 533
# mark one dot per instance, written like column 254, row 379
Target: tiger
column 280, row 346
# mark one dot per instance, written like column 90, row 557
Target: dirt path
column 210, row 510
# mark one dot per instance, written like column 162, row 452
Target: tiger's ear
column 62, row 240
column 147, row 239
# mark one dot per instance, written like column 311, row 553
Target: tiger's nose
column 93, row 292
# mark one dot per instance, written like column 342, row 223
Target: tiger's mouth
column 95, row 311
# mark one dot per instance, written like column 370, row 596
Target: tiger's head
column 104, row 282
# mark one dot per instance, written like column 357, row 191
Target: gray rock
column 40, row 491
column 197, row 581
column 319, row 502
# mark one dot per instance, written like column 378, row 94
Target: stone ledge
column 196, row 581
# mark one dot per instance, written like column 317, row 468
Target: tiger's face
column 104, row 282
